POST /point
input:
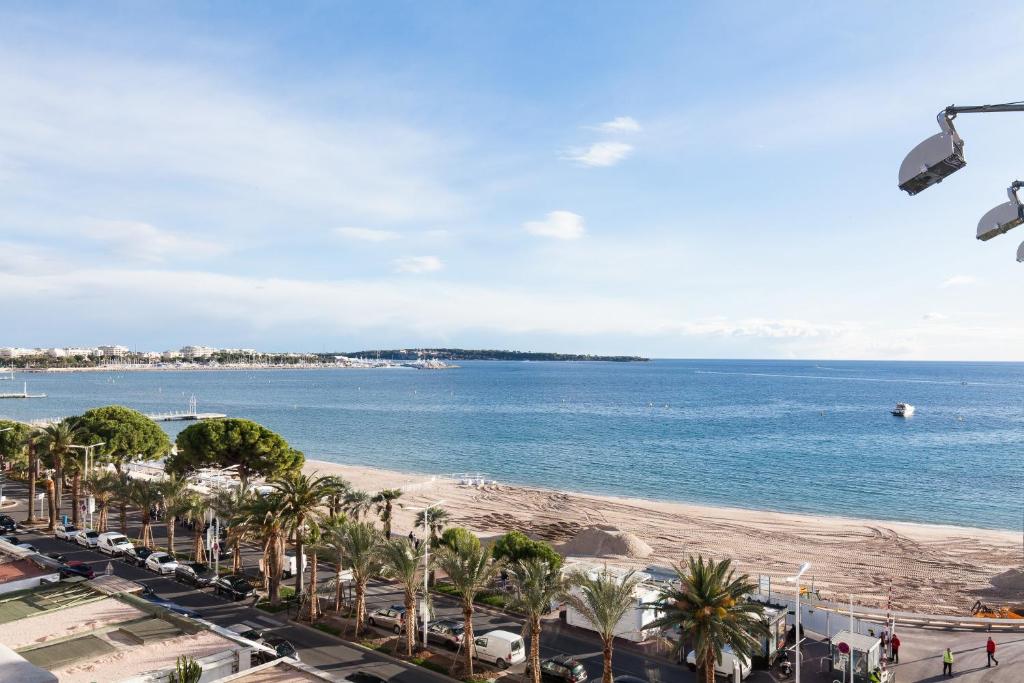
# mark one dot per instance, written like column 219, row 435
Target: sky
column 709, row 180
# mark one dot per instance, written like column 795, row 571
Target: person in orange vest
column 947, row 663
column 990, row 650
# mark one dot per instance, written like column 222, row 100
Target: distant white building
column 112, row 351
column 170, row 355
column 56, row 352
column 10, row 352
column 80, row 351
column 192, row 352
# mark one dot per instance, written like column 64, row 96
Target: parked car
column 28, row 546
column 138, row 556
column 447, row 632
column 235, row 586
column 364, row 677
column 10, row 538
column 561, row 669
column 281, row 646
column 724, row 667
column 388, row 617
column 66, row 532
column 77, row 568
column 7, row 524
column 113, row 543
column 57, row 556
column 87, row 538
column 501, row 648
column 196, row 573
column 161, row 563
column 148, row 595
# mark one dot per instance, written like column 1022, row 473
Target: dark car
column 235, row 586
column 148, row 594
column 447, row 632
column 196, row 573
column 77, row 568
column 10, row 538
column 281, row 646
column 138, row 555
column 7, row 523
column 364, row 677
column 562, row 669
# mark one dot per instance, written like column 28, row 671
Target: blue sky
column 668, row 179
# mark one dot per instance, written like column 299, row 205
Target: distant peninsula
column 485, row 354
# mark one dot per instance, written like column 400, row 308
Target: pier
column 22, row 394
column 191, row 414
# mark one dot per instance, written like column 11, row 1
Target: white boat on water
column 903, row 410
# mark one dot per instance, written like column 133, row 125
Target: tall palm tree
column 193, row 510
column 385, row 501
column 144, row 494
column 123, row 495
column 51, row 500
column 174, row 492
column 709, row 605
column 403, row 562
column 56, row 440
column 603, row 599
column 340, row 487
column 262, row 515
column 361, row 543
column 104, row 487
column 332, row 540
column 313, row 539
column 470, row 568
column 301, row 496
column 535, row 585
column 357, row 503
column 437, row 519
column 32, row 446
column 229, row 506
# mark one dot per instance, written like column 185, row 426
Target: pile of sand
column 602, row 540
column 1012, row 580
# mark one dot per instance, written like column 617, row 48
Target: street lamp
column 796, row 645
column 1004, row 217
column 941, row 155
column 424, row 608
column 86, row 459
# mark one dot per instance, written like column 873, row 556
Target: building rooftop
column 17, row 570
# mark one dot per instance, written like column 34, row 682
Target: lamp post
column 86, row 461
column 796, row 644
column 424, row 609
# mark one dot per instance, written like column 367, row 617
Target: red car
column 77, row 568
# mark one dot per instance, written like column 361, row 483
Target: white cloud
column 601, row 154
column 959, row 281
column 562, row 225
column 136, row 240
column 366, row 234
column 934, row 317
column 418, row 264
column 620, row 124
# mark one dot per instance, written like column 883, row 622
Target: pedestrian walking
column 990, row 650
column 947, row 663
column 894, row 642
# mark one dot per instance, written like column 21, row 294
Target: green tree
column 32, row 447
column 437, row 518
column 51, row 501
column 13, row 438
column 127, row 434
column 186, row 670
column 247, row 446
column 302, row 496
column 603, row 599
column 123, row 495
column 361, row 544
column 470, row 568
column 332, row 540
column 455, row 536
column 144, row 494
column 104, row 486
column 174, row 492
column 536, row 583
column 515, row 546
column 403, row 562
column 193, row 510
column 262, row 516
column 385, row 501
column 357, row 503
column 710, row 607
column 56, row 441
column 229, row 505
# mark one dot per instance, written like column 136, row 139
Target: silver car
column 388, row 617
column 66, row 532
column 88, row 538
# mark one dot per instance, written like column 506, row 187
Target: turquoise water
column 792, row 436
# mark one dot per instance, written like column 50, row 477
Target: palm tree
column 229, row 506
column 437, row 519
column 709, row 606
column 535, row 585
column 193, row 510
column 357, row 503
column 123, row 495
column 403, row 562
column 144, row 494
column 603, row 599
column 104, row 487
column 32, row 445
column 470, row 568
column 385, row 500
column 332, row 540
column 51, row 500
column 313, row 547
column 361, row 543
column 56, row 441
column 262, row 516
column 301, row 497
column 174, row 491
column 340, row 488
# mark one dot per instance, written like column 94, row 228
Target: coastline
column 928, row 567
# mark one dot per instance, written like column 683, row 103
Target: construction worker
column 947, row 663
column 990, row 650
column 876, row 676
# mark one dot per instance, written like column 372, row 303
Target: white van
column 113, row 543
column 726, row 666
column 501, row 648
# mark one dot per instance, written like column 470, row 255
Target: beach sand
column 929, row 568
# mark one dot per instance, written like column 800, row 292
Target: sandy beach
column 930, row 568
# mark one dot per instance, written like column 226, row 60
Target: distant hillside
column 483, row 354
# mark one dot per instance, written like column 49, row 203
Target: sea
column 790, row 436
